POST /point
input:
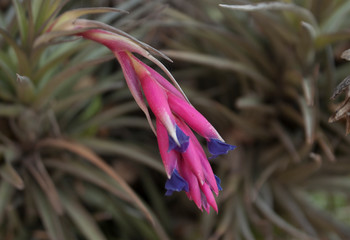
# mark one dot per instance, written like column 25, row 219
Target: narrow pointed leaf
column 70, row 16
column 94, row 159
column 6, row 192
column 10, row 175
column 279, row 221
column 81, row 218
column 90, row 174
column 48, row 215
column 274, row 6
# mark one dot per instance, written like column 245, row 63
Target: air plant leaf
column 286, row 199
column 335, row 20
column 43, row 12
column 273, row 217
column 88, row 173
column 84, row 95
column 278, row 6
column 25, row 88
column 9, row 174
column 309, row 119
column 94, row 159
column 21, row 19
column 49, row 217
column 6, row 192
column 107, row 116
column 243, row 223
column 49, row 90
column 47, row 38
column 321, row 218
column 81, row 218
column 219, row 63
column 40, row 174
column 68, row 17
column 10, row 110
column 21, row 57
column 109, row 147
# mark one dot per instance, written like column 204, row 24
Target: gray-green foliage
column 265, row 72
column 58, row 115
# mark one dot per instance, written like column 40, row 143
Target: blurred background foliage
column 78, row 160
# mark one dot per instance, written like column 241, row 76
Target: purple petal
column 184, row 141
column 218, row 181
column 176, row 183
column 217, row 147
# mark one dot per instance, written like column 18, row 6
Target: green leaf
column 21, row 20
column 42, row 177
column 336, row 18
column 92, row 109
column 48, row 215
column 43, row 10
column 23, row 67
column 305, row 13
column 287, row 201
column 10, row 175
column 106, row 116
column 6, row 192
column 126, row 218
column 83, row 95
column 88, row 173
column 91, row 156
column 25, row 89
column 69, row 17
column 272, row 216
column 323, row 40
column 10, row 110
column 107, row 147
column 243, row 223
column 50, row 90
column 81, row 218
column 220, row 63
column 322, row 219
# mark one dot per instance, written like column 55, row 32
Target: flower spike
column 185, row 162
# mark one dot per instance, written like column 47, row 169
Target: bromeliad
column 185, row 162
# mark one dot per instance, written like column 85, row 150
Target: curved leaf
column 94, row 159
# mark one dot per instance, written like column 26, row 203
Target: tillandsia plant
column 185, row 162
column 58, row 148
column 58, row 121
column 276, row 64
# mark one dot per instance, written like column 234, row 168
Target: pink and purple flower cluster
column 184, row 159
